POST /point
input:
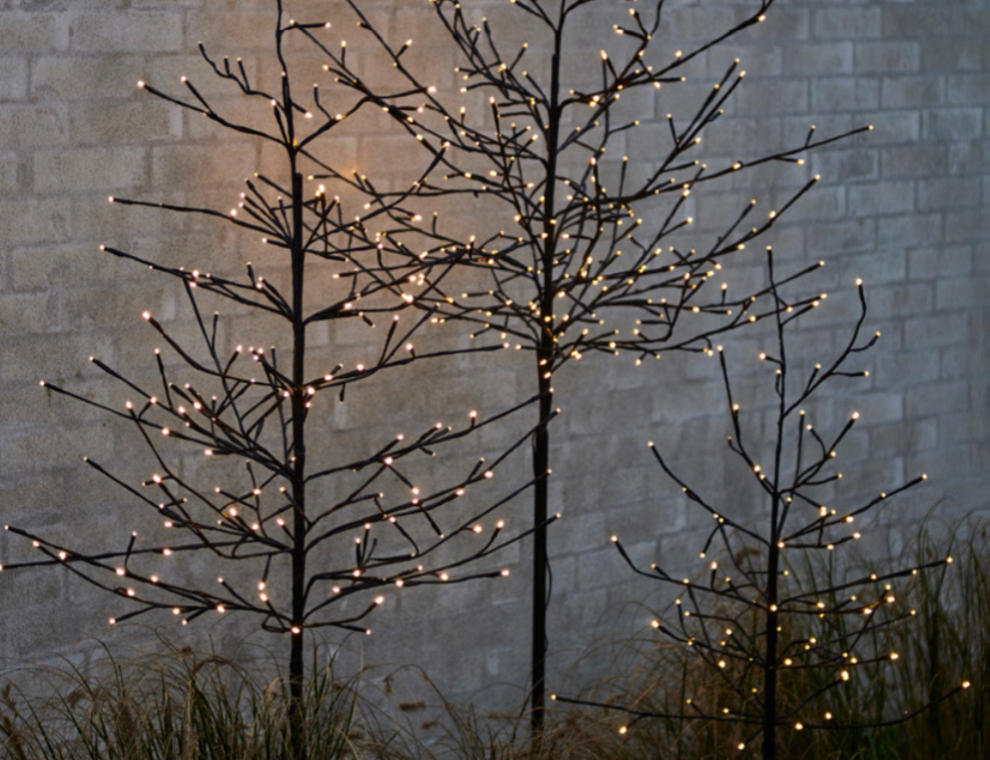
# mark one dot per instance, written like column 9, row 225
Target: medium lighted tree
column 304, row 532
column 579, row 249
column 773, row 603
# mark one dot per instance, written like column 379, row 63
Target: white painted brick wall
column 906, row 207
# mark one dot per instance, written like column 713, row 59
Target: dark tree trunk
column 545, row 364
column 296, row 667
column 541, row 465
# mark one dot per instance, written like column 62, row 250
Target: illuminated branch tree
column 773, row 610
column 589, row 253
column 296, row 526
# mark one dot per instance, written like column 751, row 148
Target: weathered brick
column 826, row 126
column 892, row 127
column 86, row 168
column 28, row 314
column 597, row 568
column 880, row 406
column 576, row 534
column 887, row 56
column 936, row 330
column 84, row 77
column 966, row 157
column 159, row 5
column 937, row 398
column 134, row 32
column 32, row 32
column 35, row 221
column 252, row 30
column 957, row 362
column 13, row 78
column 901, row 300
column 929, row 263
column 890, row 197
column 953, row 54
column 953, row 124
column 843, row 236
column 968, row 89
column 818, row 58
column 9, row 169
column 183, row 165
column 853, row 165
column 785, row 24
column 760, row 59
column 913, row 161
column 692, row 23
column 912, row 91
column 915, row 21
column 772, row 97
column 900, row 439
column 123, row 122
column 957, row 428
column 881, row 267
column 946, row 193
column 825, row 203
column 100, row 222
column 847, row 23
column 845, row 94
column 911, row 229
column 966, row 226
column 908, row 367
column 29, row 126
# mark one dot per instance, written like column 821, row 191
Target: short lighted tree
column 772, row 614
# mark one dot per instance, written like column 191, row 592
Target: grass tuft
column 174, row 705
column 183, row 705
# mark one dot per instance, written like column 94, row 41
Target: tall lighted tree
column 304, row 533
column 578, row 249
column 772, row 618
